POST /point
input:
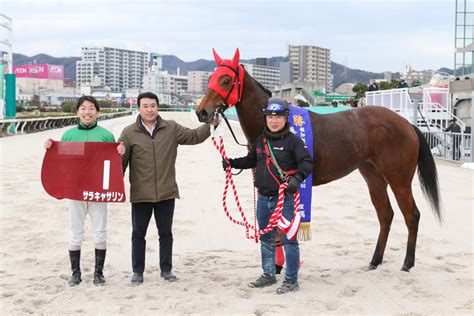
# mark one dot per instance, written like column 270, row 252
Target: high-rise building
column 118, row 69
column 174, row 87
column 268, row 76
column 311, row 64
column 463, row 38
column 153, row 78
column 170, row 89
column 198, row 81
column 286, row 69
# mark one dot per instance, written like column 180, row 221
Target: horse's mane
column 267, row 92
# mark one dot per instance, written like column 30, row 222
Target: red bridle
column 236, row 72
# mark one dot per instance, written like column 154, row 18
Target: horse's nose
column 202, row 115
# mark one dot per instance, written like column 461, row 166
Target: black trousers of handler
column 141, row 215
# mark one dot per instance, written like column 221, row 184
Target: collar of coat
column 160, row 123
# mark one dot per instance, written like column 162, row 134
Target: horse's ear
column 216, row 57
column 235, row 59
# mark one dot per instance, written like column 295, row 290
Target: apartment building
column 198, row 81
column 170, row 89
column 268, row 76
column 118, row 69
column 311, row 64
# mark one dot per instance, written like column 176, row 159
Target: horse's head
column 224, row 88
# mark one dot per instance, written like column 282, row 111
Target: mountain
column 171, row 63
column 447, row 70
column 341, row 73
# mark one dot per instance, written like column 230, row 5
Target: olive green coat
column 152, row 159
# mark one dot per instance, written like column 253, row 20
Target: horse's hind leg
column 410, row 212
column 379, row 196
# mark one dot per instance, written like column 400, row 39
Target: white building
column 268, row 76
column 169, row 88
column 153, row 78
column 410, row 75
column 311, row 64
column 174, row 87
column 118, row 69
column 198, row 81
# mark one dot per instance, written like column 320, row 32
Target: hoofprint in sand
column 213, row 259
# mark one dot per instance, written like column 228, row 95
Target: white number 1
column 106, row 179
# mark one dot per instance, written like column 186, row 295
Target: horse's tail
column 428, row 174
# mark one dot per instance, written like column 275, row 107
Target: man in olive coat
column 151, row 145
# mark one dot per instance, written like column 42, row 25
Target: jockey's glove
column 293, row 184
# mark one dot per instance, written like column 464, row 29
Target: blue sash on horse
column 300, row 125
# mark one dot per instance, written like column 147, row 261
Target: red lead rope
column 290, row 228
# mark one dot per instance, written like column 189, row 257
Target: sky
column 372, row 35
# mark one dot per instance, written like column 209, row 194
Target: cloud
column 372, row 35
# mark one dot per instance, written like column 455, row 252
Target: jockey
column 278, row 156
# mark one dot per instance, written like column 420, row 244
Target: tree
column 360, row 89
column 389, row 85
column 68, row 107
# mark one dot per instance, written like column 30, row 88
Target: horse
column 382, row 145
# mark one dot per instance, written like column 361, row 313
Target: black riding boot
column 99, row 265
column 75, row 257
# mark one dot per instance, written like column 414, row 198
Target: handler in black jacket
column 279, row 156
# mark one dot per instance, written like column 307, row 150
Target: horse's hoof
column 371, row 267
column 405, row 268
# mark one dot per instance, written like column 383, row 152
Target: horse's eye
column 226, row 82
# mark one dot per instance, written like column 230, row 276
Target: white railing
column 450, row 146
column 24, row 126
column 397, row 100
column 437, row 109
column 433, row 113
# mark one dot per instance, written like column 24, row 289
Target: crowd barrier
column 32, row 125
column 450, row 146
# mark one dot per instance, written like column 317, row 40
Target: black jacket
column 453, row 127
column 289, row 151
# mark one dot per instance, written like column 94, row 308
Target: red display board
column 83, row 171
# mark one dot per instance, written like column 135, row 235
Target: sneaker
column 168, row 276
column 288, row 286
column 263, row 281
column 137, row 278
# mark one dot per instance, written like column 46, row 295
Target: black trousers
column 141, row 215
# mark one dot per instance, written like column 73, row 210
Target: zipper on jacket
column 154, row 167
column 154, row 158
column 154, row 153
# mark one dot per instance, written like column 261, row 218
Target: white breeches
column 77, row 215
